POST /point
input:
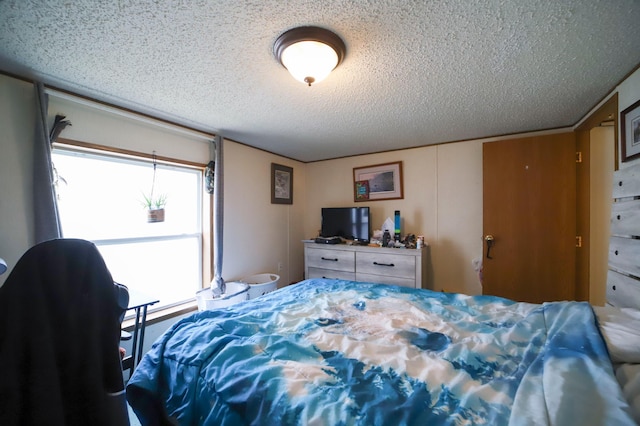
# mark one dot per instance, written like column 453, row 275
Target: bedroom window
column 100, row 199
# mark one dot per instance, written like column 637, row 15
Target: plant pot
column 155, row 215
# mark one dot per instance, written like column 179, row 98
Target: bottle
column 386, row 237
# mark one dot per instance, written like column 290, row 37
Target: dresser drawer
column 404, row 267
column 331, row 274
column 622, row 291
column 386, row 279
column 337, row 260
column 390, row 265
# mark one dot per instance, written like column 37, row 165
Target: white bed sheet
column 628, row 376
column 620, row 328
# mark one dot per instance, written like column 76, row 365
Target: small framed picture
column 362, row 190
column 383, row 182
column 630, row 132
column 281, row 184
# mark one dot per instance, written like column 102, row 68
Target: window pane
column 165, row 269
column 102, row 197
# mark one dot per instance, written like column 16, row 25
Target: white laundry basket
column 261, row 284
column 235, row 292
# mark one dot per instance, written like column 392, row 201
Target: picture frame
column 281, row 184
column 378, row 182
column 362, row 190
column 630, row 132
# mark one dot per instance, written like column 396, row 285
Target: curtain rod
column 128, row 113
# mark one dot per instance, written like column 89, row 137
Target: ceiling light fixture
column 309, row 53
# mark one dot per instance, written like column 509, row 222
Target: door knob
column 490, row 240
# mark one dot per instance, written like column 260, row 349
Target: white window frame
column 205, row 236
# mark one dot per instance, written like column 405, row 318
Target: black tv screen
column 351, row 223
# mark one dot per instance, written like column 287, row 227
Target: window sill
column 163, row 314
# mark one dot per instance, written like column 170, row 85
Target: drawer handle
column 333, row 260
column 384, row 264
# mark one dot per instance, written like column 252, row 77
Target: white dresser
column 405, row 267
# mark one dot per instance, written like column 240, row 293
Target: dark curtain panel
column 46, row 219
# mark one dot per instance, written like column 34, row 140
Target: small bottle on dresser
column 386, row 237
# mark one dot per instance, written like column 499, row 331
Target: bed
column 331, row 352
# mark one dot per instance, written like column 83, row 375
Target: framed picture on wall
column 362, row 190
column 281, row 184
column 630, row 132
column 378, row 182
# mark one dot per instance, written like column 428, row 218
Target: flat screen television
column 350, row 223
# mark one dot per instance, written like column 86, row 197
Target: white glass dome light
column 309, row 61
column 309, row 53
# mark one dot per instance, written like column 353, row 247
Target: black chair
column 122, row 294
column 59, row 339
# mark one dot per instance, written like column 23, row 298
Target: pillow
column 620, row 328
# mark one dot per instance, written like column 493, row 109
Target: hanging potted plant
column 155, row 207
column 154, row 203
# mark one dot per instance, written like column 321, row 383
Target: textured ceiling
column 415, row 73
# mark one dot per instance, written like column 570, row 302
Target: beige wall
column 602, row 154
column 628, row 94
column 442, row 201
column 459, row 238
column 17, row 109
column 258, row 235
column 98, row 124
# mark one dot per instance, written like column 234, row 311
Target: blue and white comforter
column 327, row 352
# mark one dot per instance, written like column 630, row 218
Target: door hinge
column 578, row 241
column 578, row 156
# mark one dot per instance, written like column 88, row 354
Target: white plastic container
column 261, row 284
column 235, row 292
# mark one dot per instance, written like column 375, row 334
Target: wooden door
column 529, row 207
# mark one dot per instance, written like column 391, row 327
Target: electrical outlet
column 279, row 266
